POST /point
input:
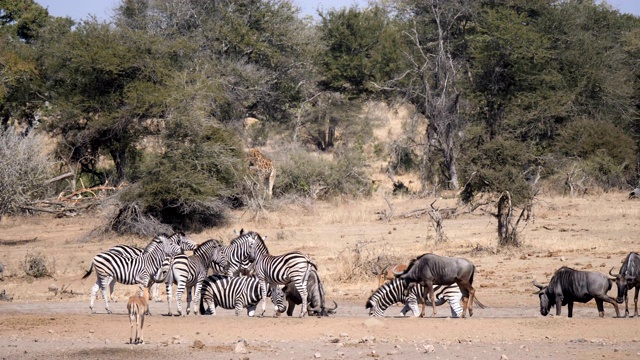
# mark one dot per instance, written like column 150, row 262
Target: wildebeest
column 568, row 286
column 430, row 269
column 316, row 305
column 627, row 279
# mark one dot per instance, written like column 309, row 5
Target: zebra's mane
column 155, row 243
column 209, row 244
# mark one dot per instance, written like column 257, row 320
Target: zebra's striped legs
column 179, row 292
column 263, row 290
column 302, row 289
column 196, row 298
column 169, row 296
column 94, row 290
column 238, row 306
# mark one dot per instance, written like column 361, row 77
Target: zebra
column 132, row 252
column 278, row 270
column 392, row 292
column 136, row 270
column 236, row 293
column 237, row 255
column 190, row 271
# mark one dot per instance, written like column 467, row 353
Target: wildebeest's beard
column 545, row 302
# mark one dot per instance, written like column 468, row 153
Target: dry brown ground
column 592, row 233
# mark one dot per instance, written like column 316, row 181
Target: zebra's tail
column 88, row 271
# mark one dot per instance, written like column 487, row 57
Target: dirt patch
column 592, row 233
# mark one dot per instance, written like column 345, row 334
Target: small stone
column 504, row 357
column 240, row 348
column 317, row 355
column 344, row 335
column 334, row 341
column 562, row 258
column 53, row 288
column 429, row 349
column 107, row 341
column 374, row 354
column 198, row 344
column 50, row 331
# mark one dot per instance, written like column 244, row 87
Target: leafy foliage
column 309, row 175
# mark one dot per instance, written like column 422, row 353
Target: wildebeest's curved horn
column 614, row 275
column 535, row 283
column 397, row 273
column 333, row 311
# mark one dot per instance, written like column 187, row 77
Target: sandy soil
column 592, row 233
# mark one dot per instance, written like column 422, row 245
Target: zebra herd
column 163, row 260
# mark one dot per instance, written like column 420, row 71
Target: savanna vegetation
column 509, row 98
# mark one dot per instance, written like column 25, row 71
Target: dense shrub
column 608, row 154
column 316, row 176
column 37, row 266
column 23, row 169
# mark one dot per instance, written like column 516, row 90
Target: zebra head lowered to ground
column 316, row 305
column 626, row 279
column 279, row 270
column 393, row 292
column 430, row 269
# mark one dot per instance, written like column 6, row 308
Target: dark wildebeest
column 430, row 269
column 627, row 279
column 568, row 286
column 316, row 305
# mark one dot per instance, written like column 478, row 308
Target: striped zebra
column 189, row 272
column 236, row 293
column 278, row 270
column 392, row 292
column 138, row 270
column 237, row 254
column 131, row 252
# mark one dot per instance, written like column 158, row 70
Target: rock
column 374, row 354
column 317, row 355
column 504, row 357
column 53, row 288
column 241, row 347
column 176, row 340
column 429, row 349
column 198, row 344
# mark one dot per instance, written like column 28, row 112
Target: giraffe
column 264, row 168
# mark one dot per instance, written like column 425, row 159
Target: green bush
column 608, row 152
column 310, row 175
column 188, row 184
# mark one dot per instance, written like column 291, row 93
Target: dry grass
column 594, row 232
